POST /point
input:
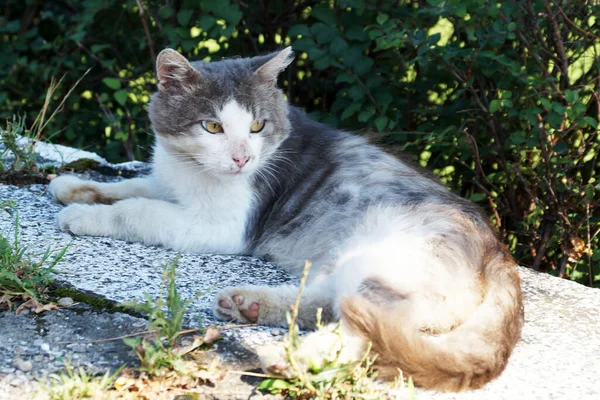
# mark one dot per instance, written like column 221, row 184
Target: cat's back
column 322, row 181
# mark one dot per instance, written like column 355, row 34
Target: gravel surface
column 32, row 345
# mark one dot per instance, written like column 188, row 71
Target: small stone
column 65, row 302
column 38, row 358
column 16, row 381
column 276, row 332
column 24, row 312
column 22, row 365
column 77, row 347
column 45, row 347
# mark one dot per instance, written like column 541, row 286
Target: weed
column 162, row 354
column 24, row 156
column 72, row 384
column 24, row 275
column 166, row 319
column 333, row 378
column 19, row 140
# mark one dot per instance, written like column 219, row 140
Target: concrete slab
column 557, row 358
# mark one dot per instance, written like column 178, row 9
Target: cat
column 407, row 266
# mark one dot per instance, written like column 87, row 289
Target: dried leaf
column 5, row 302
column 46, row 307
column 211, row 335
column 31, row 304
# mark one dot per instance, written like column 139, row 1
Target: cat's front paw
column 83, row 219
column 67, row 189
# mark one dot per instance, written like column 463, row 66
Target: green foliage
column 499, row 99
column 161, row 354
column 166, row 319
column 23, row 274
column 74, row 384
column 24, row 156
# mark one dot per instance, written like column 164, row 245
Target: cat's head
column 226, row 116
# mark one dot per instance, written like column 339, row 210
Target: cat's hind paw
column 239, row 304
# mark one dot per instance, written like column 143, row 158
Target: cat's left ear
column 268, row 72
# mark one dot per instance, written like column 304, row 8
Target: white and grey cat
column 405, row 264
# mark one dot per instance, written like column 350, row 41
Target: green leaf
column 207, row 22
column 546, row 103
column 324, row 33
column 363, row 65
column 495, row 105
column 304, row 44
column 381, row 122
column 344, row 78
column 591, row 122
column 95, row 48
column 351, row 110
column 512, row 26
column 274, row 385
column 121, row 96
column 184, row 16
column 460, row 10
column 165, row 12
column 112, row 83
column 322, row 63
column 366, row 115
column 299, row 29
column 324, row 14
column 338, row 47
column 571, row 95
column 382, row 18
column 477, row 197
column 518, row 138
column 560, row 147
column 356, row 33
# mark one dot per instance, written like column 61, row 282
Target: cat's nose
column 241, row 160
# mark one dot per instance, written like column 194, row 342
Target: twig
column 296, row 307
column 146, row 30
column 253, row 374
column 542, row 249
column 589, row 244
column 111, row 339
column 292, row 328
column 575, row 25
column 369, row 95
column 184, row 332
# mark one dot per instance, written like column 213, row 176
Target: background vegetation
column 500, row 98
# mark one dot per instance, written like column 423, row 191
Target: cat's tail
column 466, row 357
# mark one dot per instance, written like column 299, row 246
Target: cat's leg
column 153, row 222
column 69, row 189
column 268, row 305
column 333, row 342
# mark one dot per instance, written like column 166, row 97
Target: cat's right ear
column 174, row 71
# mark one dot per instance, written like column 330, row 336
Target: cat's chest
column 222, row 206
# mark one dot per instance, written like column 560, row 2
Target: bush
column 500, row 99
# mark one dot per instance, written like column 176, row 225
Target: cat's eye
column 211, row 127
column 257, row 126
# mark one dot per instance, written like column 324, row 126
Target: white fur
column 188, row 208
column 216, row 152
